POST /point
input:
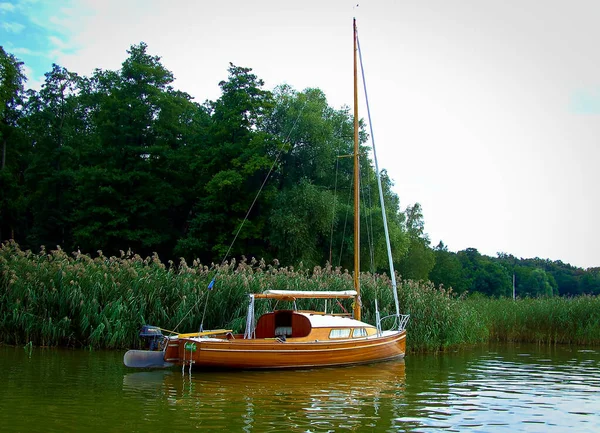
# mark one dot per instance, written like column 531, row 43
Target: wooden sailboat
column 288, row 338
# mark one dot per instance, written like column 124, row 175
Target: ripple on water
column 538, row 393
column 498, row 390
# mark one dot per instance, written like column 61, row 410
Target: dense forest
column 121, row 160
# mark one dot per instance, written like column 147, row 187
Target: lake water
column 505, row 388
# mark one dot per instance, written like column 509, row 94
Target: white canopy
column 300, row 294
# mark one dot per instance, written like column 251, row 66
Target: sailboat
column 289, row 338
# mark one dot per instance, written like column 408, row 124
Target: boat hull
column 275, row 354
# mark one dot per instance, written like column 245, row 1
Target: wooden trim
column 299, row 295
column 327, row 349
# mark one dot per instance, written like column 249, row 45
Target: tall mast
column 356, row 187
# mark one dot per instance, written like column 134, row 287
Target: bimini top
column 330, row 321
column 290, row 295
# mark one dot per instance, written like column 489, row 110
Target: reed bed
column 555, row 320
column 59, row 299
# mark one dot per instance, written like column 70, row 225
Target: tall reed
column 55, row 298
column 556, row 320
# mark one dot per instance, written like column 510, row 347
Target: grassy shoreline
column 72, row 300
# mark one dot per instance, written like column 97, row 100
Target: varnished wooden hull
column 273, row 354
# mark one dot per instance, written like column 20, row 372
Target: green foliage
column 131, row 185
column 543, row 320
column 120, row 160
column 470, row 271
column 235, row 158
column 537, row 277
column 52, row 298
column 12, row 144
column 12, row 79
column 419, row 259
column 56, row 299
column 300, row 223
column 448, row 270
column 439, row 319
column 54, row 124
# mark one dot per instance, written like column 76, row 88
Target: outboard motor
column 153, row 336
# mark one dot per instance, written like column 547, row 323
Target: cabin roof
column 329, row 321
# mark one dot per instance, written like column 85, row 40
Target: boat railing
column 403, row 321
column 400, row 322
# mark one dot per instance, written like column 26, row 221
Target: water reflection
column 510, row 388
column 516, row 388
column 507, row 388
column 303, row 400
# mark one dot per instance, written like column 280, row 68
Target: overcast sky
column 487, row 113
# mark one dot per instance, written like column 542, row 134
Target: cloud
column 58, row 42
column 13, row 27
column 7, row 7
column 24, row 51
column 586, row 102
column 33, row 81
column 52, row 16
column 44, row 23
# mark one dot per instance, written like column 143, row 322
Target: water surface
column 503, row 388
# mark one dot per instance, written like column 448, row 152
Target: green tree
column 419, row 260
column 13, row 158
column 54, row 127
column 132, row 187
column 12, row 79
column 448, row 269
column 484, row 275
column 300, row 223
column 313, row 136
column 589, row 282
column 539, row 283
column 122, row 160
column 234, row 160
column 318, row 140
column 492, row 279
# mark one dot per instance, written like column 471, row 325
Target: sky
column 487, row 113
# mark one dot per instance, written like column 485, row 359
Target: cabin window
column 340, row 333
column 359, row 332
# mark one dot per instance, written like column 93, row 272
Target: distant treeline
column 120, row 160
column 470, row 271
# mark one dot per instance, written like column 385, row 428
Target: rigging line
column 345, row 222
column 372, row 240
column 372, row 229
column 368, row 206
column 365, row 211
column 368, row 215
column 280, row 151
column 263, row 184
column 337, row 165
column 242, row 224
column 385, row 226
